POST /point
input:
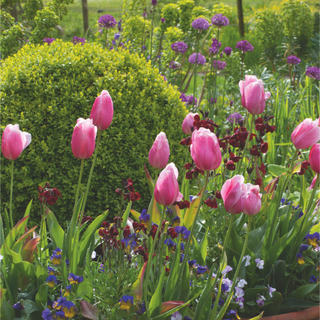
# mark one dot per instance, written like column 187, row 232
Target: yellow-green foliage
column 201, row 12
column 225, row 9
column 135, row 28
column 45, row 89
column 171, row 13
column 185, row 14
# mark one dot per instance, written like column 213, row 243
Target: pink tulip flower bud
column 14, row 141
column 205, row 149
column 233, row 193
column 102, row 111
column 252, row 203
column 166, row 191
column 253, row 97
column 83, row 139
column 187, row 123
column 314, row 158
column 160, row 152
column 306, row 134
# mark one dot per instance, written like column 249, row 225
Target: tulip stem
column 194, row 223
column 11, row 191
column 90, row 175
column 78, row 188
column 150, row 254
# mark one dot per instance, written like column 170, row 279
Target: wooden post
column 85, row 16
column 240, row 18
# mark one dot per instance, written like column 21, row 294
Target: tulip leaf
column 277, row 170
column 294, row 304
column 156, row 299
column 42, row 296
column 149, row 180
column 1, row 232
column 138, row 285
column 154, row 212
column 135, row 214
column 56, row 232
column 126, row 215
column 191, row 211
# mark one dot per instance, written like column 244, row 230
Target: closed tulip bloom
column 233, row 193
column 102, row 111
column 252, row 203
column 160, row 151
column 166, row 191
column 306, row 134
column 205, row 149
column 14, row 141
column 314, row 158
column 188, row 123
column 83, row 139
column 253, row 97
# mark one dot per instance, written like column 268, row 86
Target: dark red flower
column 187, row 165
column 305, row 164
column 172, row 233
column 230, row 165
column 258, row 182
column 182, row 204
column 126, row 232
column 234, row 158
column 85, row 219
column 254, row 151
column 218, row 195
column 270, row 128
column 264, row 147
column 222, row 144
column 211, row 203
column 105, row 224
column 189, row 175
column 118, row 192
column 186, row 141
column 262, row 168
column 153, row 231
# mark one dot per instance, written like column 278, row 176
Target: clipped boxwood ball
column 45, row 89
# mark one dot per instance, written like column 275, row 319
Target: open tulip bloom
column 306, row 134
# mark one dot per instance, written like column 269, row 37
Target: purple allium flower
column 227, row 51
column 293, row 60
column 244, row 45
column 200, row 58
column 144, row 14
column 116, row 36
column 235, row 117
column 220, row 20
column 76, row 40
column 18, row 306
column 163, row 20
column 220, row 65
column 191, row 101
column 48, row 40
column 154, row 2
column 200, row 24
column 179, row 46
column 260, row 300
column 313, row 72
column 215, row 46
column 107, row 21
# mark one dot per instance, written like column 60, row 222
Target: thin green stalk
column 203, row 86
column 210, row 88
column 185, row 77
column 216, row 74
column 150, row 47
column 78, row 188
column 90, row 175
column 195, row 72
column 11, row 191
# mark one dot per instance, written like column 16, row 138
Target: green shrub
column 45, row 89
column 171, row 13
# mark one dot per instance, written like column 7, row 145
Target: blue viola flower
column 126, row 302
column 69, row 309
column 52, row 281
column 74, row 279
column 18, row 306
column 175, row 222
column 185, row 233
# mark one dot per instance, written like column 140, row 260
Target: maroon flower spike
column 187, row 165
column 196, row 169
column 254, row 151
column 304, row 166
column 234, row 158
column 186, row 142
column 153, row 231
column 230, row 165
column 262, row 168
column 105, row 224
column 258, row 182
column 85, row 219
column 218, row 195
column 182, row 204
column 118, row 192
column 264, row 147
column 172, row 233
column 222, row 144
column 126, row 232
column 211, row 203
column 114, row 232
column 270, row 128
column 189, row 175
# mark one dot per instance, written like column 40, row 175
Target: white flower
column 1, row 257
column 176, row 316
column 228, row 283
column 239, row 292
column 260, row 263
column 271, row 290
column 93, row 255
column 241, row 283
column 226, row 270
column 247, row 258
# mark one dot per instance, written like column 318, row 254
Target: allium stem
column 215, row 75
column 195, row 73
column 185, row 77
column 11, row 191
column 151, row 36
column 202, row 89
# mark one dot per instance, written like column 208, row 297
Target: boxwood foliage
column 45, row 89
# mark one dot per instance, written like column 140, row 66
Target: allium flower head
column 107, row 21
column 76, row 40
column 48, row 40
column 200, row 58
column 227, row 51
column 215, row 46
column 313, row 72
column 200, row 24
column 219, row 65
column 154, row 2
column 244, row 45
column 220, row 20
column 235, row 118
column 163, row 20
column 179, row 46
column 293, row 60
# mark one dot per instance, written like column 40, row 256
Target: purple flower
column 220, row 20
column 48, row 40
column 303, row 247
column 163, row 20
column 212, row 101
column 215, row 46
column 18, row 306
column 185, row 233
column 200, row 58
column 76, row 40
column 240, row 301
column 119, row 25
column 179, row 46
column 107, row 21
column 227, row 51
column 313, row 279
column 174, row 65
column 144, row 14
column 293, row 60
column 313, row 72
column 154, row 2
column 271, row 290
column 116, row 36
column 260, row 300
column 235, row 118
column 192, row 263
column 244, row 45
column 226, row 270
column 219, row 65
column 201, row 269
column 200, row 24
column 260, row 263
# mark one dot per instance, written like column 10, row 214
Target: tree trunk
column 85, row 16
column 240, row 18
column 14, row 12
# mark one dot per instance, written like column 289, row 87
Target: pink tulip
column 233, row 193
column 102, row 111
column 166, row 191
column 205, row 149
column 188, row 123
column 83, row 139
column 160, row 152
column 314, row 158
column 313, row 183
column 253, row 97
column 14, row 141
column 306, row 134
column 252, row 203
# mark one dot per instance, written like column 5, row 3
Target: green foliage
column 198, row 12
column 186, row 7
column 135, row 28
column 171, row 13
column 45, row 89
column 298, row 22
column 31, row 8
column 225, row 9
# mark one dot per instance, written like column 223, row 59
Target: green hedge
column 45, row 89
